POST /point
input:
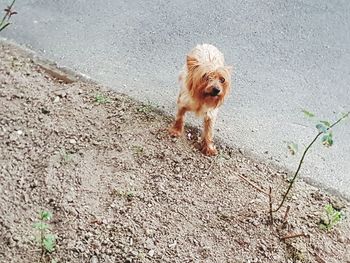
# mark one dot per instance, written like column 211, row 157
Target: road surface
column 287, row 56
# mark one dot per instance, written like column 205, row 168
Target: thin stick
column 293, row 236
column 285, row 218
column 302, row 159
column 286, row 214
column 252, row 184
column 270, row 202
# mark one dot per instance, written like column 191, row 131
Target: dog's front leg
column 177, row 129
column 208, row 147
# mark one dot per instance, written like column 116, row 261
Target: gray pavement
column 287, row 55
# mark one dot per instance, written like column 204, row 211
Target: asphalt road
column 287, row 56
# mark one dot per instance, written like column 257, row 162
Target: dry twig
column 270, row 202
column 293, row 236
column 252, row 184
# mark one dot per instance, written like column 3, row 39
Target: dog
column 205, row 82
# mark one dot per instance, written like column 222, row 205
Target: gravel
column 121, row 190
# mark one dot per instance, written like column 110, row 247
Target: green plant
column 138, row 150
column 6, row 18
column 223, row 156
column 46, row 239
column 101, row 99
column 127, row 194
column 333, row 216
column 325, row 129
column 145, row 107
column 66, row 156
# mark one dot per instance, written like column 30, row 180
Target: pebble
column 151, row 253
column 56, row 99
column 341, row 239
column 149, row 244
column 149, row 232
column 189, row 136
column 60, row 93
column 72, row 141
column 173, row 244
column 94, row 259
column 19, row 132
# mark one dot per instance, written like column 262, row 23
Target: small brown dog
column 205, row 82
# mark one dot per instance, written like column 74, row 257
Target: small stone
column 72, row 141
column 94, row 259
column 151, row 253
column 149, row 244
column 173, row 244
column 19, row 132
column 341, row 239
column 56, row 99
column 11, row 243
column 148, row 232
column 60, row 93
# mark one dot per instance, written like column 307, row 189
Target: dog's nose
column 215, row 91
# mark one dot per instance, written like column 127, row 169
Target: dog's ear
column 192, row 62
column 229, row 69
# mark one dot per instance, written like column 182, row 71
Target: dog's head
column 208, row 83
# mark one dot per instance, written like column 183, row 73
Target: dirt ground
column 121, row 190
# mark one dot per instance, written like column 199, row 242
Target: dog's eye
column 206, row 77
column 222, row 80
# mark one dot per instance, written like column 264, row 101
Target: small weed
column 46, row 240
column 137, row 150
column 145, row 108
column 332, row 217
column 293, row 148
column 66, row 156
column 129, row 195
column 324, row 130
column 4, row 22
column 101, row 99
column 223, row 156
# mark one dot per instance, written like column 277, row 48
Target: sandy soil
column 121, row 190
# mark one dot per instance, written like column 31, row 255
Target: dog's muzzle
column 215, row 91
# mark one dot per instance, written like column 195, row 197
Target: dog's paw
column 175, row 132
column 209, row 150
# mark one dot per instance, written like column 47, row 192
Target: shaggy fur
column 205, row 82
